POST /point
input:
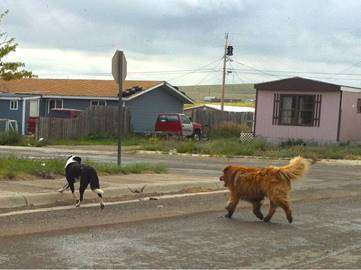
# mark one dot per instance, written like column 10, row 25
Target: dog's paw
column 102, row 206
column 267, row 219
column 260, row 216
column 77, row 204
column 290, row 219
column 228, row 215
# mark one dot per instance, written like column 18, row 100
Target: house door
column 34, row 108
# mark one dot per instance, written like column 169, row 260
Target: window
column 14, row 105
column 168, row 118
column 98, row 103
column 185, row 120
column 359, row 105
column 55, row 104
column 297, row 110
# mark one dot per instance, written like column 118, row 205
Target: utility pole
column 224, row 70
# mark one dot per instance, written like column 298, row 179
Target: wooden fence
column 98, row 119
column 211, row 118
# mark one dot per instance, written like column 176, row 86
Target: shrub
column 10, row 138
column 293, row 142
column 228, row 130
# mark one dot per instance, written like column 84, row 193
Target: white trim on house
column 30, row 98
column 179, row 92
column 350, row 89
column 19, row 98
column 23, row 118
column 16, row 107
column 10, row 98
column 79, row 97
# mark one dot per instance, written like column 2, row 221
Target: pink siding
column 350, row 119
column 326, row 132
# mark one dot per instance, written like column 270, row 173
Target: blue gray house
column 21, row 99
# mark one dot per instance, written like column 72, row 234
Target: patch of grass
column 100, row 140
column 228, row 130
column 12, row 167
column 136, row 168
column 10, row 138
column 232, row 146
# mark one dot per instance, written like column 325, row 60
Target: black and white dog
column 74, row 170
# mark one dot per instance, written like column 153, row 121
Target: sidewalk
column 35, row 193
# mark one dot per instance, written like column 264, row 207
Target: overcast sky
column 182, row 41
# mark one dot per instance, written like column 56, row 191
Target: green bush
column 293, row 142
column 10, row 138
column 228, row 130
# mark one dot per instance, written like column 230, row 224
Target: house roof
column 298, row 84
column 71, row 87
column 226, row 108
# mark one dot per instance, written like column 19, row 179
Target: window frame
column 296, row 110
column 55, row 99
column 16, row 108
column 97, row 100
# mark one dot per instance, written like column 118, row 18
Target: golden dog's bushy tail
column 297, row 168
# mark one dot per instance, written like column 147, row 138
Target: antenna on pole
column 225, row 53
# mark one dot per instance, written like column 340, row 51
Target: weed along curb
column 29, row 200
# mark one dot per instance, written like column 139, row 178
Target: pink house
column 299, row 108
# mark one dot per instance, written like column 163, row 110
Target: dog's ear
column 226, row 169
column 78, row 159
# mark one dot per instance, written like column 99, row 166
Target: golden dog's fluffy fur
column 253, row 184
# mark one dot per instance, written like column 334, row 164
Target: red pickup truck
column 178, row 124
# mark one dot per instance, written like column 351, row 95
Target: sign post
column 119, row 72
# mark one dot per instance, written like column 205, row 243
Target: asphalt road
column 325, row 234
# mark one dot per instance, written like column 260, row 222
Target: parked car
column 178, row 124
column 64, row 113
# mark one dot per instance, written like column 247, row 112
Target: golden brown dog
column 253, row 184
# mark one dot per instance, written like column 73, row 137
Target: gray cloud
column 326, row 31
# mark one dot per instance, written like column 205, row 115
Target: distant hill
column 198, row 92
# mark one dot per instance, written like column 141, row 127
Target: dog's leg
column 286, row 207
column 272, row 210
column 257, row 209
column 101, row 201
column 100, row 195
column 65, row 187
column 71, row 185
column 81, row 195
column 231, row 207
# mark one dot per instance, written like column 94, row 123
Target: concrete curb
column 25, row 200
column 323, row 161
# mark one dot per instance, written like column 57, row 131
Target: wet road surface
column 325, row 234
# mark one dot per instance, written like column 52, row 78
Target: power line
column 234, row 71
column 193, row 71
column 258, row 70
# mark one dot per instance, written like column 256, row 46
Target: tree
column 10, row 70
